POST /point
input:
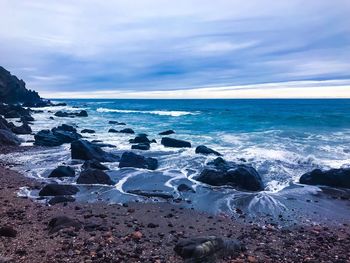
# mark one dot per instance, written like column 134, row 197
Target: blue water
column 282, row 139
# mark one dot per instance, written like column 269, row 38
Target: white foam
column 162, row 113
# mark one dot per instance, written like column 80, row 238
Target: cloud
column 156, row 45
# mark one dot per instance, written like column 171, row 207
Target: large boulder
column 141, row 138
column 94, row 164
column 168, row 132
column 23, row 129
column 57, row 136
column 8, row 138
column 46, row 138
column 205, row 150
column 141, row 146
column 241, row 176
column 82, row 113
column 5, row 125
column 62, row 171
column 333, row 177
column 171, row 142
column 127, row 130
column 58, row 189
column 130, row 159
column 94, row 176
column 84, row 150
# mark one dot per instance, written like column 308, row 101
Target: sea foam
column 162, row 113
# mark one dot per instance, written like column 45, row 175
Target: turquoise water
column 282, row 139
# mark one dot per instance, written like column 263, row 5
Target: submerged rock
column 168, row 132
column 94, row 176
column 58, row 189
column 151, row 194
column 205, row 150
column 171, row 142
column 61, row 222
column 333, row 177
column 87, row 131
column 8, row 138
column 61, row 199
column 84, row 150
column 141, row 146
column 113, row 131
column 127, row 130
column 220, row 173
column 62, row 171
column 94, row 164
column 116, row 122
column 130, row 159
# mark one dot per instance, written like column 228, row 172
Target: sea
column 281, row 138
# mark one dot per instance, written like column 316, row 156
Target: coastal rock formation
column 14, row 111
column 141, row 138
column 141, row 146
column 219, row 173
column 333, row 177
column 62, row 171
column 57, row 136
column 94, row 176
column 84, row 150
column 58, row 189
column 171, row 142
column 82, row 113
column 8, row 138
column 23, row 129
column 130, row 159
column 5, row 125
column 205, row 150
column 94, row 164
column 112, row 131
column 87, row 131
column 168, row 132
column 127, row 130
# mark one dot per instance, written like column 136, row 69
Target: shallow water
column 282, row 139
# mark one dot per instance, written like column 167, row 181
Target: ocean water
column 282, row 139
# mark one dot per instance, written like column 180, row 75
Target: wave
column 162, row 113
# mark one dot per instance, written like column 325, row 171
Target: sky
column 178, row 49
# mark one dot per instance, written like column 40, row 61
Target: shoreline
column 146, row 232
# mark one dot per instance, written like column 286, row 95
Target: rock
column 94, row 176
column 84, row 150
column 127, row 130
column 58, row 189
column 207, row 249
column 170, row 142
column 5, row 125
column 65, row 127
column 61, row 222
column 137, row 235
column 61, row 199
column 82, row 113
column 51, row 118
column 151, row 194
column 185, row 188
column 8, row 138
column 23, row 129
column 87, row 131
column 112, row 130
column 7, row 231
column 168, row 132
column 141, row 138
column 141, row 146
column 12, row 114
column 105, row 145
column 27, row 118
column 94, row 164
column 46, row 138
column 205, row 150
column 66, row 136
column 130, row 159
column 61, row 114
column 116, row 122
column 219, row 173
column 57, row 136
column 333, row 177
column 62, row 171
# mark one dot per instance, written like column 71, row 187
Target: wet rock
column 5, row 125
column 23, row 129
column 27, row 118
column 205, row 150
column 84, row 150
column 8, row 138
column 241, row 176
column 58, row 189
column 151, row 194
column 87, row 131
column 8, row 231
column 112, row 131
column 61, row 199
column 130, row 159
column 333, row 177
column 65, row 127
column 61, row 222
column 82, row 113
column 46, row 138
column 62, row 171
column 185, row 188
column 127, row 130
column 94, row 176
column 207, row 249
column 168, row 132
column 57, row 136
column 141, row 138
column 94, row 164
column 105, row 145
column 116, row 122
column 141, row 146
column 61, row 114
column 171, row 142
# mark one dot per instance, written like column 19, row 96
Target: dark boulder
column 141, row 146
column 58, row 189
column 8, row 138
column 5, row 125
column 205, row 150
column 333, row 177
column 82, row 113
column 94, row 176
column 141, row 138
column 112, row 131
column 241, row 176
column 7, row 231
column 61, row 199
column 62, row 222
column 12, row 114
column 127, row 130
column 171, row 142
column 151, row 194
column 61, row 114
column 46, row 138
column 185, row 188
column 27, row 118
column 116, row 122
column 84, row 150
column 94, row 164
column 23, row 129
column 62, row 171
column 130, row 159
column 168, row 132
column 87, row 131
column 57, row 136
column 65, row 127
